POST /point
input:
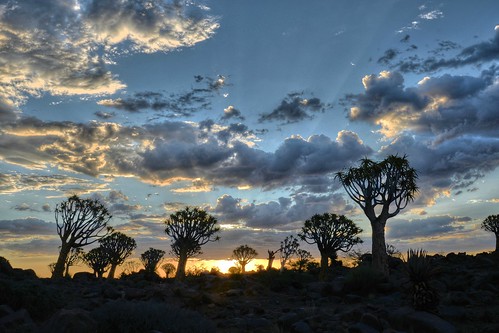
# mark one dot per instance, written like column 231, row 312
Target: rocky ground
column 351, row 300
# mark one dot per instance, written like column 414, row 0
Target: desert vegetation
column 382, row 291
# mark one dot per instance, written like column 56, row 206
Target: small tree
column 98, row 260
column 119, row 247
column 151, row 258
column 271, row 258
column 303, row 258
column 79, row 222
column 74, row 258
column 382, row 190
column 288, row 248
column 244, row 254
column 491, row 224
column 190, row 229
column 169, row 268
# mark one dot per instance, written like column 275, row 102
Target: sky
column 246, row 109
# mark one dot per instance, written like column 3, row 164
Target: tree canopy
column 118, row 247
column 491, row 224
column 244, row 254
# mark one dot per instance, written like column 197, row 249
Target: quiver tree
column 271, row 258
column 75, row 256
column 150, row 259
column 331, row 233
column 491, row 224
column 168, row 268
column 303, row 257
column 98, row 260
column 244, row 254
column 118, row 247
column 382, row 190
column 189, row 229
column 288, row 248
column 80, row 222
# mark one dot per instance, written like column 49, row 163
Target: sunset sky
column 246, row 109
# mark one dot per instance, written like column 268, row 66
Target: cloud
column 71, row 52
column 434, row 226
column 431, row 15
column 295, row 108
column 105, row 115
column 476, row 54
column 231, row 112
column 390, row 54
column 26, row 227
column 169, row 104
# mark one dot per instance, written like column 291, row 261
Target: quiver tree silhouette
column 244, row 254
column 189, row 229
column 303, row 257
column 150, row 259
column 331, row 233
column 98, row 260
column 80, row 222
column 288, row 248
column 118, row 247
column 168, row 268
column 491, row 224
column 382, row 190
column 271, row 258
column 74, row 258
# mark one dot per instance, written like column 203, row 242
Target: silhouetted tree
column 491, row 223
column 79, row 222
column 169, row 268
column 288, row 248
column 74, row 258
column 151, row 258
column 98, row 260
column 382, row 190
column 271, row 258
column 303, row 258
column 190, row 229
column 244, row 254
column 331, row 233
column 119, row 247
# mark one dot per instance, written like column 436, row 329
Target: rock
column 418, row 321
column 362, row 328
column 83, row 276
column 74, row 321
column 5, row 267
column 16, row 321
column 301, row 327
column 371, row 320
column 233, row 292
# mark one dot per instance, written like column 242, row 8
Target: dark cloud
column 477, row 54
column 295, row 108
column 389, row 55
column 105, row 115
column 428, row 227
column 26, row 227
column 23, row 207
column 169, row 104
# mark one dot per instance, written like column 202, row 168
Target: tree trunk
column 243, row 267
column 380, row 258
column 324, row 266
column 112, row 271
column 61, row 261
column 66, row 272
column 182, row 262
column 497, row 244
column 271, row 261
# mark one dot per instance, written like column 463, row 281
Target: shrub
column 363, row 280
column 421, row 270
column 147, row 316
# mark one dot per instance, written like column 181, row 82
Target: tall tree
column 331, row 233
column 75, row 256
column 79, row 222
column 288, row 248
column 244, row 254
column 382, row 189
column 98, row 260
column 491, row 223
column 271, row 258
column 119, row 247
column 189, row 229
column 151, row 258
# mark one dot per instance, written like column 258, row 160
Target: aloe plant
column 421, row 270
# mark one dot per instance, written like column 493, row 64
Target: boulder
column 73, row 320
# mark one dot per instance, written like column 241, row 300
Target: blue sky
column 247, row 109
